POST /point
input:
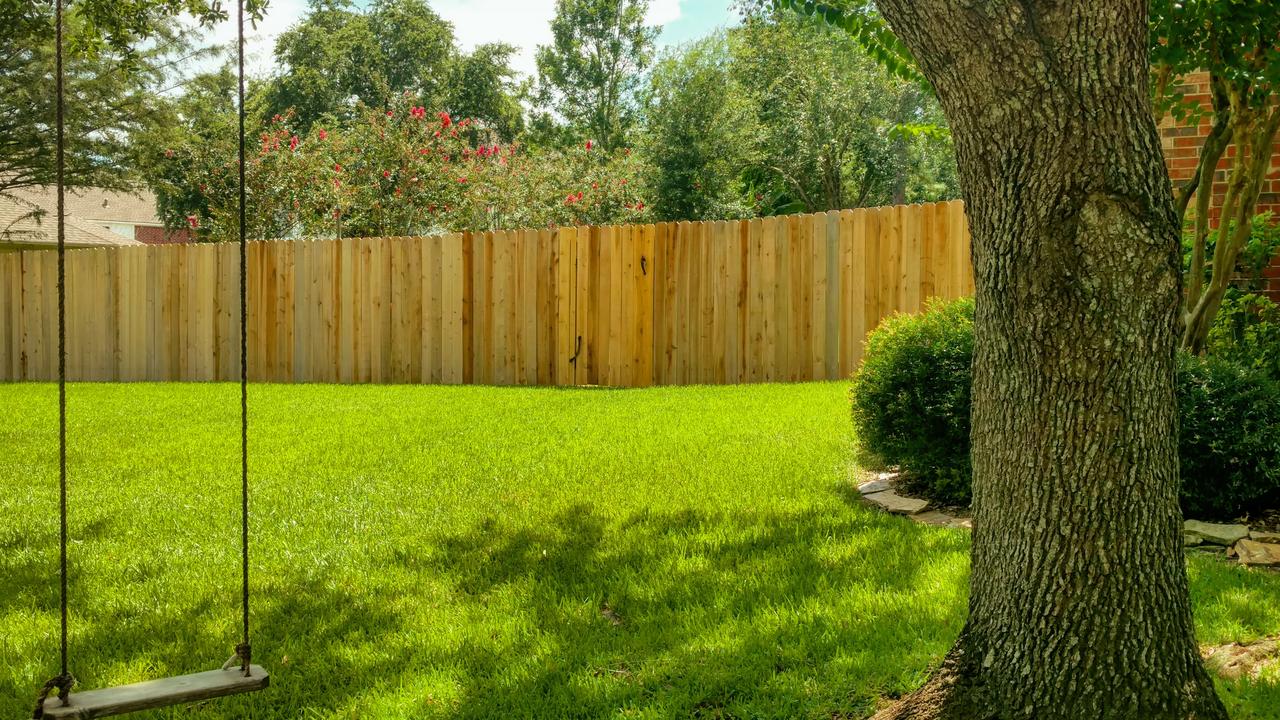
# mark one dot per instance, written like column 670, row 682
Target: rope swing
column 229, row 680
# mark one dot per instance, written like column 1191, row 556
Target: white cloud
column 523, row 23
column 260, row 41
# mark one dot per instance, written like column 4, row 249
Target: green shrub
column 1230, row 437
column 911, row 409
column 911, row 398
column 1247, row 332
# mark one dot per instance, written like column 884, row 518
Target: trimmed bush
column 911, row 409
column 1230, row 438
column 911, row 398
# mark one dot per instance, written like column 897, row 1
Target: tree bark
column 1078, row 605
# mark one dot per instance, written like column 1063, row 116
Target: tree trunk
column 1078, row 605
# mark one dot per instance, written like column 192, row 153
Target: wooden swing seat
column 158, row 693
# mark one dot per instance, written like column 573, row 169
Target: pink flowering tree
column 404, row 170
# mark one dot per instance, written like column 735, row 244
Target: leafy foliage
column 1247, row 332
column 783, row 114
column 911, row 408
column 340, row 57
column 589, row 71
column 398, row 171
column 859, row 19
column 1229, row 442
column 701, row 131
column 911, row 397
column 1236, row 44
column 109, row 99
column 1259, row 248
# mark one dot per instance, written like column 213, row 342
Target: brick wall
column 1182, row 152
column 159, row 236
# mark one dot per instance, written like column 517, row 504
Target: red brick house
column 1182, row 153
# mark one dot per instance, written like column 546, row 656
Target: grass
column 428, row 552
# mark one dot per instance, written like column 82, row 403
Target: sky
column 523, row 23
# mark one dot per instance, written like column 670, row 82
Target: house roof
column 25, row 223
column 98, row 205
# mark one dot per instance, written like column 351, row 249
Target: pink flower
column 386, row 173
column 337, row 167
column 424, row 151
column 192, row 222
column 293, row 143
column 418, row 112
column 445, row 120
column 462, row 180
column 640, row 206
column 589, row 145
column 323, row 135
column 390, row 113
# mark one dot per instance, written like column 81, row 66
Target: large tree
column 588, row 73
column 1078, row 603
column 110, row 95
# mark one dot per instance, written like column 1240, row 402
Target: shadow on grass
column 814, row 611
column 764, row 613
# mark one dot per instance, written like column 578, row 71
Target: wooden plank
column 643, row 367
column 854, row 319
column 452, row 300
column 835, row 289
column 718, row 266
column 566, row 303
column 545, row 320
column 754, row 342
column 500, row 274
column 531, row 272
column 303, row 307
column 433, row 310
column 704, row 321
column 347, row 257
column 628, row 260
column 612, row 261
column 470, row 289
column 379, row 310
column 960, row 238
column 588, row 282
column 816, row 236
column 206, row 297
column 161, row 693
column 912, row 255
column 665, row 303
column 794, row 262
column 7, row 308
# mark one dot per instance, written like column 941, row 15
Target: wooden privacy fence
column 775, row 299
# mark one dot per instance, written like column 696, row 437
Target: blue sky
column 523, row 23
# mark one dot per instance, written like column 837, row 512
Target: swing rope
column 243, row 650
column 64, row 681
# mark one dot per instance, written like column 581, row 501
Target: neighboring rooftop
column 26, row 225
column 98, row 205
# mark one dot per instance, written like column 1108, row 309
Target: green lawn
column 426, row 552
